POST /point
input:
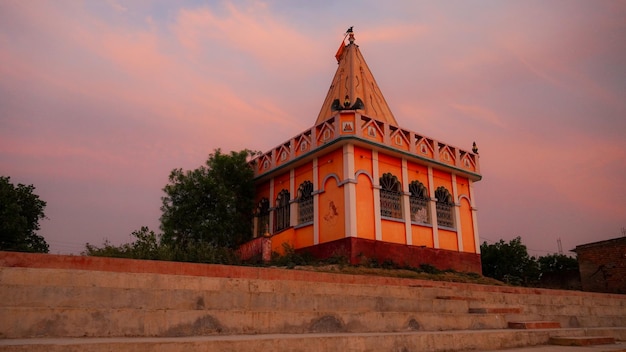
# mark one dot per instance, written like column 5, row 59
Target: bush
column 148, row 245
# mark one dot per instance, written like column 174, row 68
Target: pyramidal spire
column 354, row 87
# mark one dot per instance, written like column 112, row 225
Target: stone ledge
column 582, row 340
column 534, row 325
column 459, row 298
column 427, row 341
column 496, row 310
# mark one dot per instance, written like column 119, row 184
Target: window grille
column 419, row 200
column 263, row 217
column 282, row 210
column 390, row 197
column 445, row 204
column 305, row 202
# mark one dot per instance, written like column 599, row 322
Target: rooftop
column 355, row 110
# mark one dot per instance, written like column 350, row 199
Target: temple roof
column 354, row 87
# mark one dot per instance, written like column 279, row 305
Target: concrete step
column 543, row 299
column 156, row 298
column 74, row 288
column 60, row 278
column 77, row 322
column 211, row 294
column 361, row 342
column 534, row 325
column 582, row 340
column 571, row 321
column 497, row 310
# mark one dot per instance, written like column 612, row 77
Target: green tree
column 150, row 245
column 557, row 263
column 509, row 262
column 147, row 245
column 20, row 212
column 212, row 204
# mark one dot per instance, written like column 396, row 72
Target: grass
column 339, row 265
column 408, row 273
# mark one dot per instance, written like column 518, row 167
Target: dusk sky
column 100, row 100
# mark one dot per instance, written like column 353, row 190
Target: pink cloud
column 480, row 113
column 250, row 29
column 389, row 34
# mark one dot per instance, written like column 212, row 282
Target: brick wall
column 603, row 265
column 358, row 249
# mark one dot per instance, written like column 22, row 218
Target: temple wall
column 422, row 236
column 467, row 227
column 365, row 208
column 393, row 231
column 331, row 214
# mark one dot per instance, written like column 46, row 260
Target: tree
column 20, row 212
column 509, row 262
column 559, row 271
column 145, row 246
column 149, row 245
column 557, row 263
column 211, row 204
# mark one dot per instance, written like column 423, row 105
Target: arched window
column 445, row 204
column 420, row 211
column 390, row 197
column 282, row 211
column 263, row 217
column 305, row 202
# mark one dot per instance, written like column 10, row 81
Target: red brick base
column 359, row 250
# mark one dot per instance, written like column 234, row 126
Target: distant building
column 356, row 184
column 603, row 265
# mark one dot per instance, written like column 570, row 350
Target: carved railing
column 353, row 124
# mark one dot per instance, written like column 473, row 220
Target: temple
column 358, row 185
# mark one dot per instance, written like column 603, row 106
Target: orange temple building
column 357, row 184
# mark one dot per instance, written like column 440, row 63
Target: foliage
column 108, row 250
column 369, row 266
column 149, row 245
column 212, row 204
column 20, row 212
column 557, row 263
column 145, row 246
column 509, row 262
column 290, row 258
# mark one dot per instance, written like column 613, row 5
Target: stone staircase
column 68, row 303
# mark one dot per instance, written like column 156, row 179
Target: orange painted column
column 316, row 204
column 433, row 207
column 349, row 190
column 457, row 214
column 293, row 205
column 272, row 199
column 376, row 190
column 474, row 216
column 406, row 203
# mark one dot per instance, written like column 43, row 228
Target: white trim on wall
column 376, row 183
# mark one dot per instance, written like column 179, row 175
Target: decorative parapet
column 351, row 124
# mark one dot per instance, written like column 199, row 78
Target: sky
column 100, row 100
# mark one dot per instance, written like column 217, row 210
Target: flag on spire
column 340, row 50
column 342, row 45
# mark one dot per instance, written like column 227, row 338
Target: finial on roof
column 474, row 148
column 343, row 43
column 350, row 32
